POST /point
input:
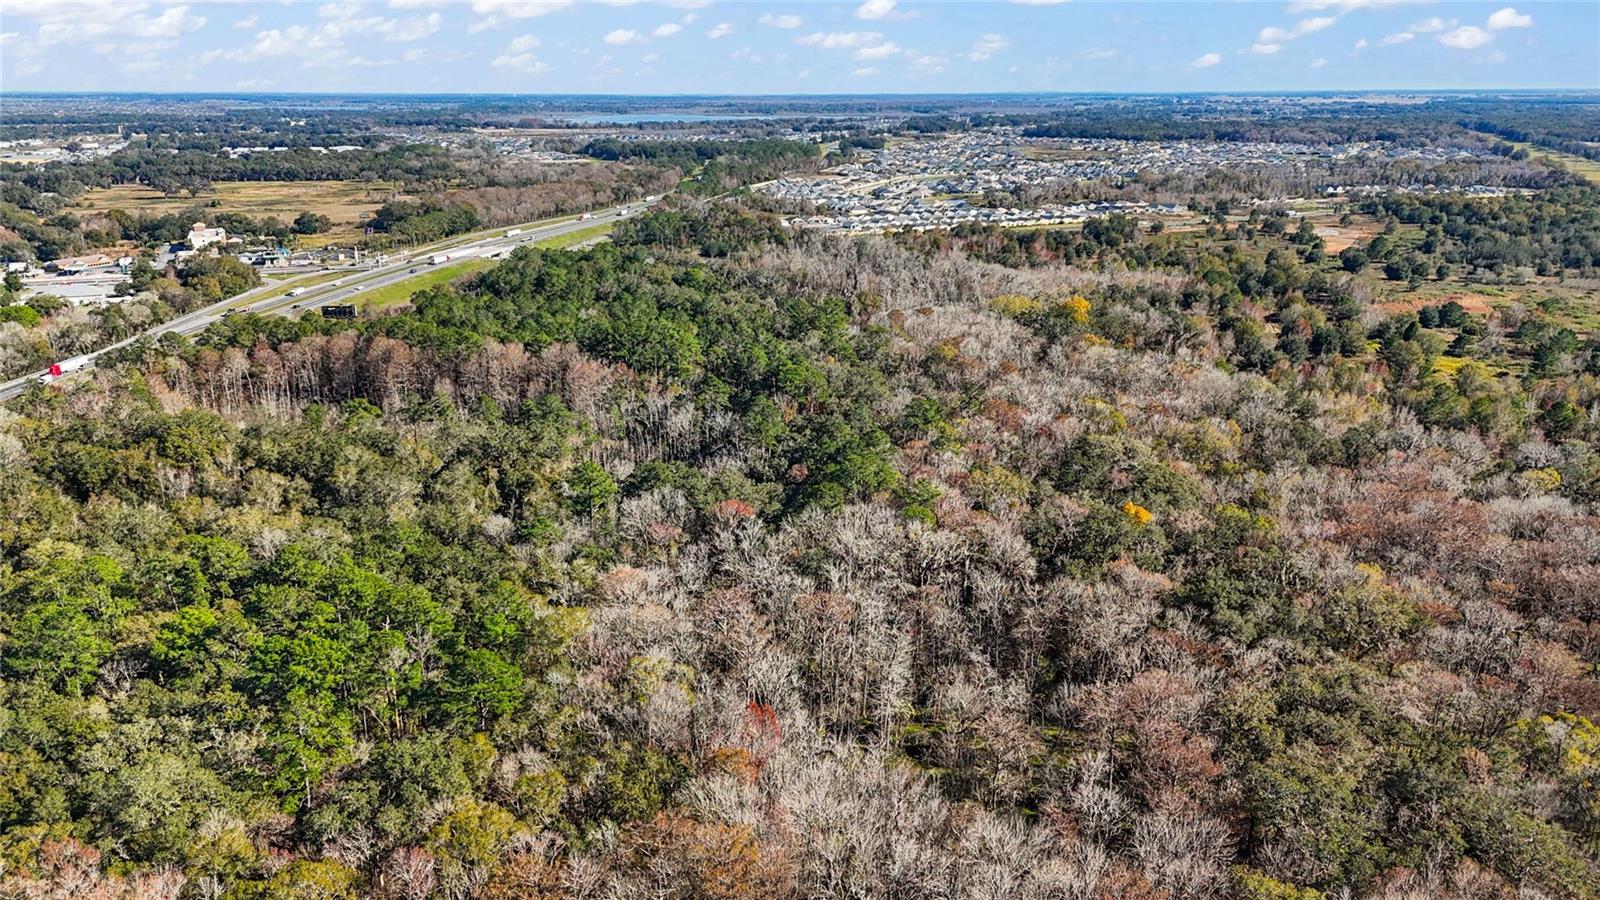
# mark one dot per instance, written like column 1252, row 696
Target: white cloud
column 875, row 9
column 519, row 56
column 1265, row 49
column 649, row 58
column 1431, row 24
column 878, row 51
column 1206, row 60
column 745, row 54
column 834, row 40
column 492, row 12
column 1099, row 53
column 82, row 22
column 285, row 41
column 326, row 41
column 524, row 63
column 175, row 21
column 1497, row 57
column 1389, row 40
column 1318, row 63
column 1467, row 37
column 721, row 30
column 246, row 24
column 864, row 72
column 406, row 30
column 667, row 29
column 782, row 21
column 1275, row 35
column 1501, row 19
column 358, row 62
column 1344, row 6
column 619, row 36
column 1471, row 37
column 1361, row 44
column 519, row 9
column 434, row 55
column 987, row 46
column 926, row 62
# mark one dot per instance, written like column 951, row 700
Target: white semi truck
column 65, row 367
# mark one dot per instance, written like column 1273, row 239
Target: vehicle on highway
column 65, row 367
column 413, row 271
column 295, row 292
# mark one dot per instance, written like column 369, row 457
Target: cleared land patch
column 347, row 203
column 1336, row 238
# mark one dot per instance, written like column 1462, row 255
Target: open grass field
column 574, row 238
column 401, row 291
column 1336, row 238
column 345, row 202
column 1586, row 168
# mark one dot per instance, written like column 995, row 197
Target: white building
column 201, row 236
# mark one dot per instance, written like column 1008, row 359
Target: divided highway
column 271, row 299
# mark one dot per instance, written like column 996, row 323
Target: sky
column 876, row 46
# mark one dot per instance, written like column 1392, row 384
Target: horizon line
column 721, row 95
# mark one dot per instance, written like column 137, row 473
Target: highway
column 271, row 299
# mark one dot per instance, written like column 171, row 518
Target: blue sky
column 564, row 46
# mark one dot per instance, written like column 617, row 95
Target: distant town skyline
column 876, row 46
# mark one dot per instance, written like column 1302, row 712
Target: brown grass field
column 1337, row 237
column 345, row 202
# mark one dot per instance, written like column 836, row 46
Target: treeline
column 1571, row 121
column 1576, row 131
column 709, row 228
column 713, row 167
column 194, row 169
column 1304, row 178
column 423, row 221
column 508, row 194
column 1094, row 124
column 1549, row 231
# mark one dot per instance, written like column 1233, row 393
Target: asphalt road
column 347, row 289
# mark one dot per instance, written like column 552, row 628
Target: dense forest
column 714, row 167
column 722, row 561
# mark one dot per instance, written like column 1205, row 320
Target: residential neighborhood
column 942, row 182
